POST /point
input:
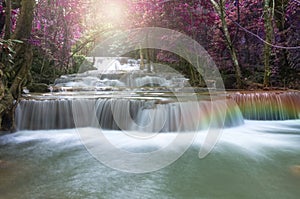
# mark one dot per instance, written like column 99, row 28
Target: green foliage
column 77, row 62
column 45, row 71
column 7, row 46
column 81, row 64
column 7, row 58
column 42, row 69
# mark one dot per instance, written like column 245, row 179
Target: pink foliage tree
column 59, row 24
column 57, row 27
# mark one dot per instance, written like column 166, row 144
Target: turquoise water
column 255, row 160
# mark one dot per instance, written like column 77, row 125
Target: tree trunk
column 21, row 67
column 267, row 48
column 24, row 56
column 24, row 23
column 282, row 54
column 7, row 19
column 220, row 9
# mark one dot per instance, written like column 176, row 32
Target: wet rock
column 295, row 170
column 38, row 88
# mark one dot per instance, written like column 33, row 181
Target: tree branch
column 261, row 39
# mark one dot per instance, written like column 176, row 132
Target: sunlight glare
column 113, row 11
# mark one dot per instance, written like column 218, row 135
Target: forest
column 255, row 44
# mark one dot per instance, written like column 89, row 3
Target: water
column 254, row 160
column 124, row 76
column 119, row 113
column 255, row 157
column 274, row 105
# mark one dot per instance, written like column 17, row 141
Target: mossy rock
column 38, row 88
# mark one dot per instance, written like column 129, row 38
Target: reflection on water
column 256, row 160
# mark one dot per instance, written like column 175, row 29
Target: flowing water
column 175, row 116
column 255, row 160
column 257, row 155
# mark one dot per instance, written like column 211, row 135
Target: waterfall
column 152, row 115
column 115, row 113
column 134, row 79
column 269, row 105
column 44, row 114
column 126, row 114
column 189, row 116
column 149, row 81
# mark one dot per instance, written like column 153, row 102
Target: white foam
column 253, row 137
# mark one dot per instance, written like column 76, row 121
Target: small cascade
column 189, row 116
column 44, row 115
column 150, row 81
column 269, row 105
column 86, row 82
column 126, row 114
column 163, row 80
column 134, row 79
column 118, row 114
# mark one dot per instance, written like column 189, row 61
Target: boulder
column 38, row 88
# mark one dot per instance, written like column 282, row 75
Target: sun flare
column 113, row 11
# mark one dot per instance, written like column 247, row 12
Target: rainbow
column 273, row 105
